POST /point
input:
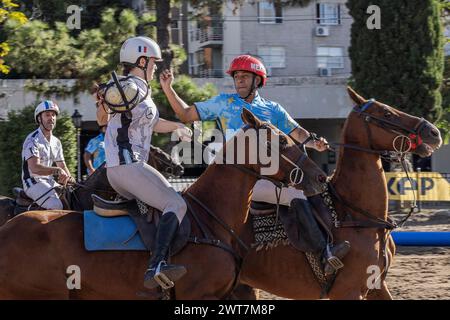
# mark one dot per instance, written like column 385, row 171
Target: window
column 273, row 57
column 269, row 11
column 328, row 13
column 330, row 57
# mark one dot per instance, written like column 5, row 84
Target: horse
column 52, row 241
column 360, row 199
column 78, row 197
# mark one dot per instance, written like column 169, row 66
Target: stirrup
column 334, row 261
column 162, row 279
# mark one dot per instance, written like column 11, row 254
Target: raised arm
column 185, row 112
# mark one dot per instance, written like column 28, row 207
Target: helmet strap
column 41, row 123
column 144, row 68
column 252, row 89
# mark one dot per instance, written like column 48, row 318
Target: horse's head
column 269, row 153
column 377, row 126
column 164, row 163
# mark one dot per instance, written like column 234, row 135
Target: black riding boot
column 159, row 272
column 313, row 235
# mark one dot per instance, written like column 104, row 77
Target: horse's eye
column 388, row 114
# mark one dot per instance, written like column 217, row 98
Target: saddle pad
column 116, row 233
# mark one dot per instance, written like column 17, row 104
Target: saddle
column 146, row 219
column 288, row 226
column 301, row 226
column 23, row 203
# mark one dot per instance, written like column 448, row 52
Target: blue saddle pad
column 117, row 233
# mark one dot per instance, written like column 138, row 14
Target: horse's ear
column 357, row 99
column 249, row 118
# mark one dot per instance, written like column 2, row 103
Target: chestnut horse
column 80, row 196
column 360, row 185
column 52, row 241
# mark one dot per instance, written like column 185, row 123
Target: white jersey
column 46, row 151
column 128, row 135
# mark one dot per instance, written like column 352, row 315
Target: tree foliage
column 12, row 135
column 402, row 63
column 8, row 13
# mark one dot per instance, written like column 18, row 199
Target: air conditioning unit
column 324, row 72
column 322, row 31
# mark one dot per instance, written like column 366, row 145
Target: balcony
column 210, row 73
column 201, row 71
column 208, row 37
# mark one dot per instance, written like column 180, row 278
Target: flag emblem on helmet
column 142, row 49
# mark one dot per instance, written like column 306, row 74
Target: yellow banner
column 428, row 186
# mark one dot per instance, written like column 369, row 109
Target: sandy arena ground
column 418, row 272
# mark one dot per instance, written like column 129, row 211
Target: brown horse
column 360, row 184
column 79, row 197
column 52, row 241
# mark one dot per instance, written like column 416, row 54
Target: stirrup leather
column 162, row 279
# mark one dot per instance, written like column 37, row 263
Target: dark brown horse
column 372, row 127
column 52, row 241
column 79, row 197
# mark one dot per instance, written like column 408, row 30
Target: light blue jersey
column 96, row 147
column 227, row 108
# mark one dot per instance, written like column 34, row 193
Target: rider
column 40, row 149
column 248, row 74
column 127, row 145
column 94, row 153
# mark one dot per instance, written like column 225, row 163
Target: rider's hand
column 321, row 144
column 62, row 176
column 184, row 133
column 71, row 180
column 166, row 78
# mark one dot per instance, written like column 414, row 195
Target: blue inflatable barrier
column 423, row 239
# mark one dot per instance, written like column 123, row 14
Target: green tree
column 7, row 13
column 12, row 135
column 39, row 51
column 402, row 63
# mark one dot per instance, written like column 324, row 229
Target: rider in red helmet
column 249, row 74
column 252, row 65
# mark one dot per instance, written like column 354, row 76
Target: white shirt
column 128, row 139
column 36, row 145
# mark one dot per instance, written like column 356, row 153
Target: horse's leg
column 380, row 294
column 244, row 292
column 210, row 273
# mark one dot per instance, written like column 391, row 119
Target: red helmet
column 250, row 64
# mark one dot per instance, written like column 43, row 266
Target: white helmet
column 46, row 105
column 136, row 47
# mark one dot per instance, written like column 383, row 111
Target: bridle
column 170, row 166
column 296, row 174
column 408, row 139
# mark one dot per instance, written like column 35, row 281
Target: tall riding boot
column 159, row 272
column 312, row 234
